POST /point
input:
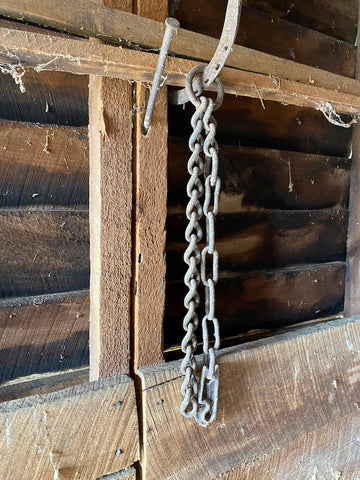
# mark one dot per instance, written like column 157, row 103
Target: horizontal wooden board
column 42, row 383
column 263, row 178
column 333, row 17
column 83, row 432
column 271, row 34
column 273, row 393
column 246, row 121
column 265, row 240
column 43, row 252
column 43, row 164
column 43, row 334
column 330, row 453
column 50, row 97
column 263, row 299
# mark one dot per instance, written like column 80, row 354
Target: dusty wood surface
column 43, row 252
column 151, row 155
column 311, row 377
column 60, row 432
column 352, row 291
column 125, row 474
column 264, row 299
column 265, row 240
column 262, row 178
column 283, row 127
column 110, row 146
column 42, row 383
column 43, row 334
column 286, row 84
column 268, row 33
column 43, row 164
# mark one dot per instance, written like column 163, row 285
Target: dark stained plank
column 50, row 97
column 43, row 164
column 43, row 252
column 263, row 178
column 249, row 122
column 43, row 334
column 268, row 33
column 264, row 299
column 337, row 18
column 265, row 240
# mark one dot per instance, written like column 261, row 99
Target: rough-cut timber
column 273, row 393
column 151, row 156
column 110, row 146
column 43, row 252
column 264, row 299
column 43, row 164
column 43, row 334
column 281, row 80
column 262, row 178
column 265, row 240
column 268, row 33
column 82, row 432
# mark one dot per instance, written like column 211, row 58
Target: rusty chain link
column 200, row 397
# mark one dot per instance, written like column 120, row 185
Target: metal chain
column 200, row 397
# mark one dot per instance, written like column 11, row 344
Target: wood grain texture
column 287, row 82
column 305, row 459
column 262, row 178
column 43, row 334
column 265, row 240
column 43, row 252
column 264, row 299
column 244, row 122
column 84, row 431
column 43, row 164
column 110, row 146
column 278, row 36
column 273, row 393
column 151, row 157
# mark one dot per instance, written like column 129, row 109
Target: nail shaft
column 171, row 27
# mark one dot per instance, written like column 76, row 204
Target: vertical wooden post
column 352, row 285
column 110, row 134
column 150, row 198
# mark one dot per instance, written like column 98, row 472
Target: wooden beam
column 273, row 393
column 110, row 144
column 84, row 431
column 151, row 155
column 293, row 83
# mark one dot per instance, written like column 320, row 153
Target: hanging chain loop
column 200, row 395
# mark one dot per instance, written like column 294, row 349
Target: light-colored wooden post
column 352, row 284
column 110, row 134
column 150, row 218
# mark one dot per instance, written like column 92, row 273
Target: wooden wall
column 282, row 225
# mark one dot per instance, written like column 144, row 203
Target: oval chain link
column 200, row 397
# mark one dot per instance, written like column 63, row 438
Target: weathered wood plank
column 43, row 334
column 84, row 431
column 151, row 157
column 263, row 178
column 43, row 252
column 265, row 240
column 43, row 164
column 243, row 121
column 331, row 452
column 338, row 19
column 110, row 144
column 315, row 89
column 37, row 384
column 264, row 299
column 273, row 392
column 268, row 33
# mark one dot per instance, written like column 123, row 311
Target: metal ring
column 194, row 96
